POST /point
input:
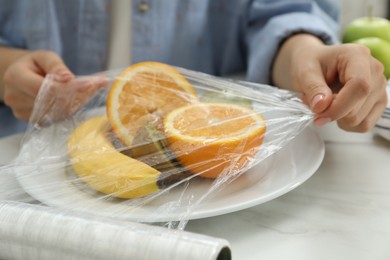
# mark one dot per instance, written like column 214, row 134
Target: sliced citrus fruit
column 102, row 167
column 143, row 93
column 211, row 139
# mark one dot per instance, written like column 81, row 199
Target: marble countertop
column 341, row 212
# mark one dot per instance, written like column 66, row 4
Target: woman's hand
column 24, row 76
column 342, row 83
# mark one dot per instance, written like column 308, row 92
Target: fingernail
column 316, row 99
column 321, row 121
column 63, row 75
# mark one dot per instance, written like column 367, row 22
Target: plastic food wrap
column 151, row 143
column 35, row 232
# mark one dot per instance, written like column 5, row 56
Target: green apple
column 367, row 27
column 380, row 49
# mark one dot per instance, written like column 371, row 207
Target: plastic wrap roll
column 36, row 232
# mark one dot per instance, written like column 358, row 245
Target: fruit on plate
column 143, row 93
column 367, row 27
column 214, row 139
column 149, row 139
column 150, row 146
column 95, row 160
column 380, row 49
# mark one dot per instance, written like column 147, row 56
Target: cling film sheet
column 151, row 143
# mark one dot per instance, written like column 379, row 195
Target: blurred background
column 352, row 9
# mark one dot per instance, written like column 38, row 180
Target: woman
column 290, row 44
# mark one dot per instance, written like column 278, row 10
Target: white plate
column 277, row 175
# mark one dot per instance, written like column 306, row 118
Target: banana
column 112, row 171
column 96, row 161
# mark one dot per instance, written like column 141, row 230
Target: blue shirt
column 218, row 37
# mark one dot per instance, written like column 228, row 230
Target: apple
column 367, row 27
column 374, row 33
column 380, row 49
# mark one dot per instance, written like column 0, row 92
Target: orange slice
column 211, row 139
column 144, row 93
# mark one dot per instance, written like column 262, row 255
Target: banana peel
column 146, row 167
column 96, row 161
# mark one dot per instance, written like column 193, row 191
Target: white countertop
column 341, row 212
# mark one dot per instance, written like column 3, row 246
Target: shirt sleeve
column 269, row 23
column 5, row 12
column 3, row 41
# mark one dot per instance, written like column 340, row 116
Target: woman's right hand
column 23, row 78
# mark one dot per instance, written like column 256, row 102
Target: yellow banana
column 96, row 161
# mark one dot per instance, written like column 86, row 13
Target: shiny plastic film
column 151, row 143
column 29, row 231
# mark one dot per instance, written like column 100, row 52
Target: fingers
column 364, row 118
column 51, row 63
column 316, row 92
column 23, row 79
column 21, row 103
column 20, row 77
column 357, row 78
column 20, row 92
column 62, row 100
column 363, row 122
column 362, row 98
column 27, row 74
column 311, row 83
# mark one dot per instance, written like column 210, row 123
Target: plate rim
column 198, row 212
